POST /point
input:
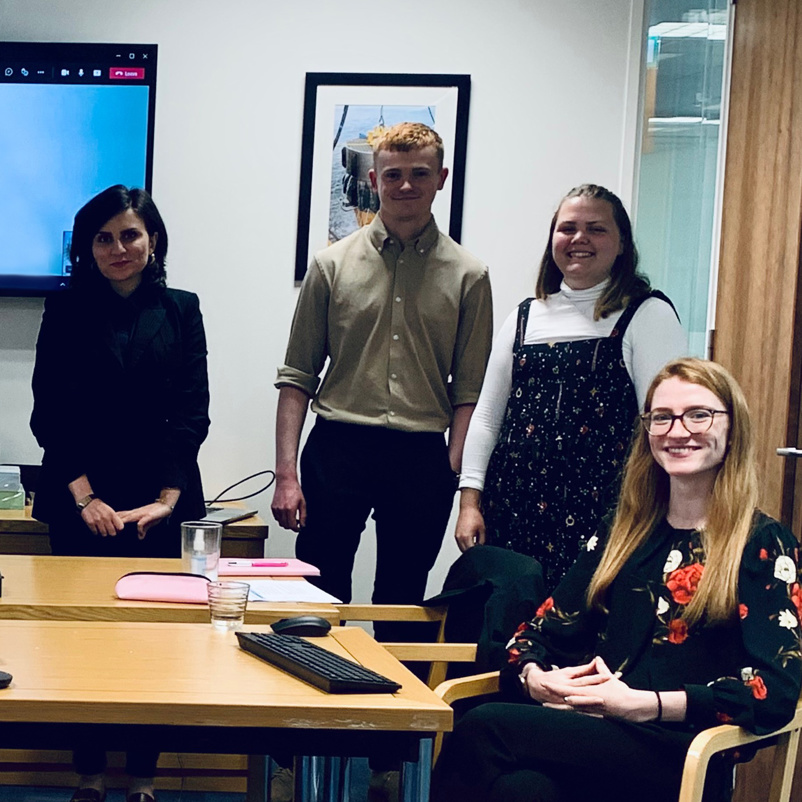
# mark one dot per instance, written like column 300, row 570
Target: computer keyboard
column 314, row 664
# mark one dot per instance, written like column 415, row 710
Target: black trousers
column 71, row 537
column 528, row 753
column 139, row 763
column 404, row 479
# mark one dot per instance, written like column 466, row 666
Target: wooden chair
column 702, row 748
column 439, row 653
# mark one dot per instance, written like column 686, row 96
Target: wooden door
column 759, row 314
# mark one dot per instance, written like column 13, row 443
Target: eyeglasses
column 695, row 421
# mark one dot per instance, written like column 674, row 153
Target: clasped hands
column 591, row 689
column 103, row 520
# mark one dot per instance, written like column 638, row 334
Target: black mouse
column 308, row 626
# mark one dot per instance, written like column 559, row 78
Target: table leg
column 416, row 775
column 308, row 778
column 336, row 779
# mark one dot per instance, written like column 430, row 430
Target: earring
column 152, row 260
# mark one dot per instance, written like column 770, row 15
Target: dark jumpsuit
column 556, row 466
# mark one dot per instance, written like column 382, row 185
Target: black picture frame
column 325, row 92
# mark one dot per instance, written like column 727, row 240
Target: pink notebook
column 230, row 566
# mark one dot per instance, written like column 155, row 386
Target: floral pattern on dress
column 746, row 671
column 682, row 572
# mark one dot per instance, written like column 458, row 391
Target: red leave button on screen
column 126, row 73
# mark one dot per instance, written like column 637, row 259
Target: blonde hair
column 410, row 136
column 645, row 492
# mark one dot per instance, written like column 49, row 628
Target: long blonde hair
column 645, row 491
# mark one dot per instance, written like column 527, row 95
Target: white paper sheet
column 288, row 590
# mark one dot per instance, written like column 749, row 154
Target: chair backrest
column 489, row 592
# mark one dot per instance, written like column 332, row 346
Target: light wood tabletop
column 36, row 586
column 21, row 533
column 191, row 675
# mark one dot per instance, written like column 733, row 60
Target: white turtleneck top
column 653, row 338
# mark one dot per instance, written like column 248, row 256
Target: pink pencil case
column 163, row 587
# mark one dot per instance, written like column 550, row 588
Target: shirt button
column 398, row 299
column 392, row 413
column 393, row 375
column 421, row 250
column 400, row 261
column 395, row 336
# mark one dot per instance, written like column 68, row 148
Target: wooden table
column 196, row 690
column 43, row 587
column 82, row 589
column 22, row 534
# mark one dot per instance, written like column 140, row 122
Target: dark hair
column 625, row 281
column 95, row 214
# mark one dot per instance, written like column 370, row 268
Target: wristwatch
column 84, row 502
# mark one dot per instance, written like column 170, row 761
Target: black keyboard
column 314, row 664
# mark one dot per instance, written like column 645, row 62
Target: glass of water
column 227, row 603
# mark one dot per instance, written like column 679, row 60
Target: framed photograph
column 343, row 114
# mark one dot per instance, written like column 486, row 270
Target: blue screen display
column 63, row 139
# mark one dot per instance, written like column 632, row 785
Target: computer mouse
column 308, row 626
column 5, row 679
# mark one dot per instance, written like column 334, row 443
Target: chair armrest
column 718, row 739
column 426, row 652
column 439, row 655
column 465, row 687
column 390, row 612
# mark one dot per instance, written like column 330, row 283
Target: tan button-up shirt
column 407, row 329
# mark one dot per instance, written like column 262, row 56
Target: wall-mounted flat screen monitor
column 74, row 119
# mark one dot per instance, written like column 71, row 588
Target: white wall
column 553, row 104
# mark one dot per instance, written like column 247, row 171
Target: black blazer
column 132, row 422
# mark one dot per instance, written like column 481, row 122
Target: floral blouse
column 747, row 671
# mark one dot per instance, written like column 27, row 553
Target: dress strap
column 523, row 317
column 626, row 317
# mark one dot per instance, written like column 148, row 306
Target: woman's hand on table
column 147, row 516
column 470, row 529
column 101, row 519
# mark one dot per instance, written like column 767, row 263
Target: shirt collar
column 382, row 239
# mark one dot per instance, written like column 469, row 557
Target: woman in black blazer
column 681, row 613
column 121, row 403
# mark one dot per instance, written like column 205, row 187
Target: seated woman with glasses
column 681, row 613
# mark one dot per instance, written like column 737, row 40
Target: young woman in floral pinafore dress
column 551, row 430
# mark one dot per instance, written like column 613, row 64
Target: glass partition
column 678, row 183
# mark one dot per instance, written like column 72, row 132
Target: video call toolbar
column 32, row 62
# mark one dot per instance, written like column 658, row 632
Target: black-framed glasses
column 695, row 421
